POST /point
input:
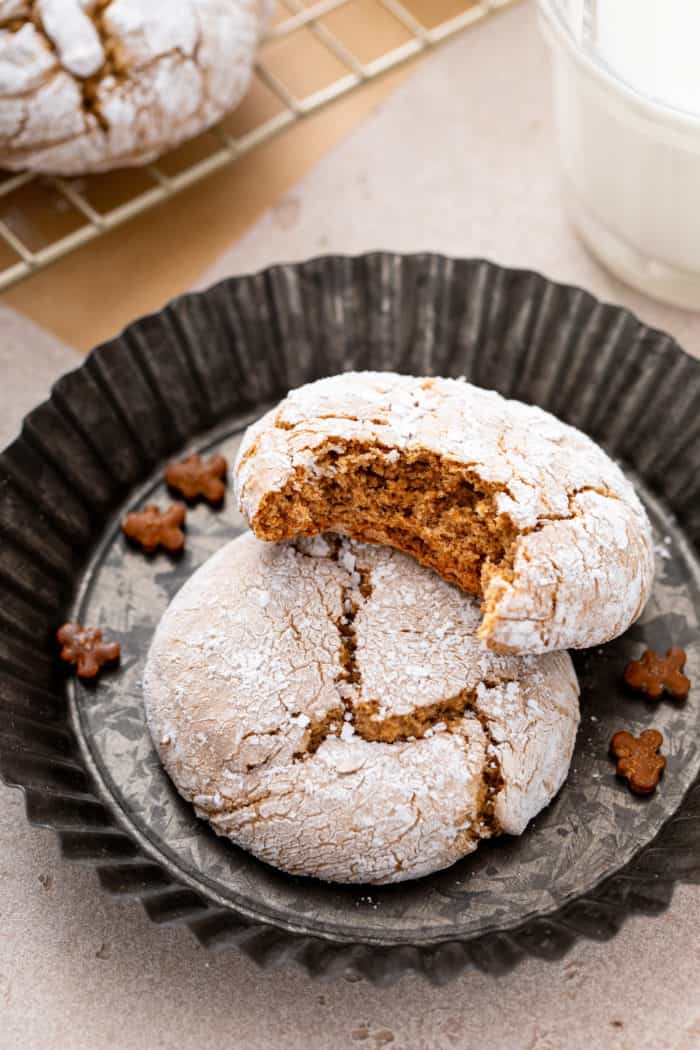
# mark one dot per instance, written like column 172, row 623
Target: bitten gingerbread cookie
column 495, row 495
column 327, row 705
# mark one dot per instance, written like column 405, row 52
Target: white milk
column 627, row 110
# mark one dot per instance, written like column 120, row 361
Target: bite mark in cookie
column 496, row 496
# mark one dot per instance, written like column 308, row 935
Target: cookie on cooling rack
column 88, row 86
column 495, row 495
column 326, row 704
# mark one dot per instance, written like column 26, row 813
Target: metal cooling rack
column 43, row 218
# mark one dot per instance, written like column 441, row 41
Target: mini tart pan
column 192, row 377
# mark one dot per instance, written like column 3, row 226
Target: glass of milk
column 627, row 110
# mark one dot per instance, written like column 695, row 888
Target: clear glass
column 627, row 111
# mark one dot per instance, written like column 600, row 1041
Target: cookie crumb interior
column 423, row 504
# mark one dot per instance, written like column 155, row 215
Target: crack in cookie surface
column 361, row 716
column 364, row 717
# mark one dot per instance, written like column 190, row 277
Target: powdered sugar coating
column 583, row 560
column 88, row 86
column 246, row 666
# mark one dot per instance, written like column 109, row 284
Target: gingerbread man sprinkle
column 638, row 760
column 85, row 647
column 652, row 674
column 194, row 476
column 152, row 527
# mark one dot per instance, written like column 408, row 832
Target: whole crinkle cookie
column 88, row 85
column 327, row 705
column 495, row 495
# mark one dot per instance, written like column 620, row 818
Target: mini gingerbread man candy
column 638, row 760
column 152, row 527
column 194, row 476
column 84, row 647
column 652, row 674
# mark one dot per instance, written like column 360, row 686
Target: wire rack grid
column 23, row 253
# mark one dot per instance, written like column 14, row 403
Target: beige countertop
column 460, row 159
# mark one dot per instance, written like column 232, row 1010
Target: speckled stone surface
column 79, row 970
